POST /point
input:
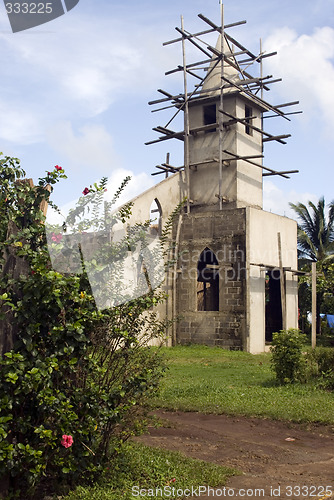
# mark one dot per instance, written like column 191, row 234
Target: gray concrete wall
column 224, row 234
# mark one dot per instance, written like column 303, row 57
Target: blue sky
column 74, row 91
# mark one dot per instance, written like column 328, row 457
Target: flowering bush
column 67, row 441
column 73, row 379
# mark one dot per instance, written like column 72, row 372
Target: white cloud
column 137, row 185
column 79, row 70
column 19, row 125
column 277, row 201
column 306, row 64
column 91, row 147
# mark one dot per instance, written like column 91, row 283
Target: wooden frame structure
column 231, row 54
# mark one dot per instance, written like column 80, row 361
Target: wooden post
column 186, row 119
column 221, row 106
column 282, row 281
column 167, row 161
column 174, row 294
column 314, row 304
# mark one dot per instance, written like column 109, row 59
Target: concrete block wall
column 225, row 234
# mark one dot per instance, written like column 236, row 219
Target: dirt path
column 272, row 466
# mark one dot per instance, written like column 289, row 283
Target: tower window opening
column 207, row 282
column 210, row 116
column 248, row 121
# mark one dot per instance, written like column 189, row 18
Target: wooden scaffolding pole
column 314, row 304
column 282, row 281
column 186, row 118
column 174, row 294
column 248, row 85
column 220, row 119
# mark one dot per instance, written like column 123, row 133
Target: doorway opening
column 273, row 303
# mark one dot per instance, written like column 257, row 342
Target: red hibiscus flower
column 66, row 440
column 85, row 191
column 56, row 238
column 57, row 167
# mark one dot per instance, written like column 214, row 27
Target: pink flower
column 57, row 167
column 66, row 440
column 56, row 237
column 85, row 191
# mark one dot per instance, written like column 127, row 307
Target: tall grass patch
column 139, row 467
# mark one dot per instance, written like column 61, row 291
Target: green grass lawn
column 213, row 380
column 148, row 469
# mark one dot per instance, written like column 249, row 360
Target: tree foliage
column 315, row 244
column 315, row 231
column 75, row 382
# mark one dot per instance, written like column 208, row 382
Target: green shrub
column 321, row 359
column 75, row 382
column 288, row 361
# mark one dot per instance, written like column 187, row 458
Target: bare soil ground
column 271, row 465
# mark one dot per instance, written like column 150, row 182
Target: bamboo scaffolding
column 269, row 137
column 272, row 172
column 200, row 33
column 286, row 114
column 180, row 68
column 188, row 37
column 221, row 124
column 265, row 174
column 247, row 85
column 186, row 117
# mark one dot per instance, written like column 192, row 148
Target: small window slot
column 248, row 121
column 210, row 116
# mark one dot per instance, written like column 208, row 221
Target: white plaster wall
column 169, row 192
column 242, row 182
column 256, row 310
column 249, row 177
column 262, row 248
column 204, row 180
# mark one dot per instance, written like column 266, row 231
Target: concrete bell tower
column 238, row 116
column 234, row 281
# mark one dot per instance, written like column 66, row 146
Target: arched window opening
column 207, row 281
column 155, row 217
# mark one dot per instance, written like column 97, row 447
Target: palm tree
column 315, row 231
column 315, row 237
